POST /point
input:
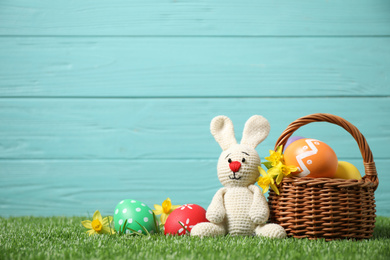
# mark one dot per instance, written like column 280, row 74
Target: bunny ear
column 222, row 129
column 255, row 131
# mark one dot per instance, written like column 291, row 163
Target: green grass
column 64, row 237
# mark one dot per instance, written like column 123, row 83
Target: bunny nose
column 235, row 166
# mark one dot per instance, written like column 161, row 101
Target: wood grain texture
column 106, row 100
column 75, row 187
column 155, row 17
column 172, row 128
column 194, row 67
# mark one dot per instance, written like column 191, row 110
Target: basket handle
column 368, row 159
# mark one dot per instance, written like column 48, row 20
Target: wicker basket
column 323, row 207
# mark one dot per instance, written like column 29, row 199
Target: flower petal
column 273, row 186
column 175, row 207
column 274, row 171
column 163, row 218
column 91, row 232
column 107, row 230
column 261, row 170
column 158, row 209
column 292, row 168
column 87, row 224
column 279, row 178
column 107, row 220
column 98, row 216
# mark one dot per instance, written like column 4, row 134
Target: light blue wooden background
column 106, row 100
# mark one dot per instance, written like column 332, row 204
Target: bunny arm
column 216, row 211
column 259, row 211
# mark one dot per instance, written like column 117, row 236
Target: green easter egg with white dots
column 134, row 211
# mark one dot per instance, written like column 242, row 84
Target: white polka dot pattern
column 134, row 212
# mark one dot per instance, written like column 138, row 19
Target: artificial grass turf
column 64, row 237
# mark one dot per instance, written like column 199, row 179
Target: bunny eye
column 243, row 160
column 230, row 160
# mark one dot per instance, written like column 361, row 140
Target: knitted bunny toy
column 239, row 208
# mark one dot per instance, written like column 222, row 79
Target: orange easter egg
column 312, row 157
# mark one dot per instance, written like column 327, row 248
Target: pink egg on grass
column 184, row 217
column 291, row 140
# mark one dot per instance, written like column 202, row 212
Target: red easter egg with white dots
column 189, row 215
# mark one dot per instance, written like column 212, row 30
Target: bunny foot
column 271, row 231
column 207, row 229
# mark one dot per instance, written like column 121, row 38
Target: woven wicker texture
column 323, row 207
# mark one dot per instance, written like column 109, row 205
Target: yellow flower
column 165, row 209
column 266, row 181
column 276, row 157
column 98, row 225
column 281, row 170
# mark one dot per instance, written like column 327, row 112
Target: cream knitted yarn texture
column 239, row 208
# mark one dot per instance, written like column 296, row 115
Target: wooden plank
column 76, row 187
column 173, row 128
column 245, row 17
column 194, row 67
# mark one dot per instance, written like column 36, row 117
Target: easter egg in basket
column 291, row 140
column 346, row 170
column 136, row 215
column 184, row 218
column 313, row 158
